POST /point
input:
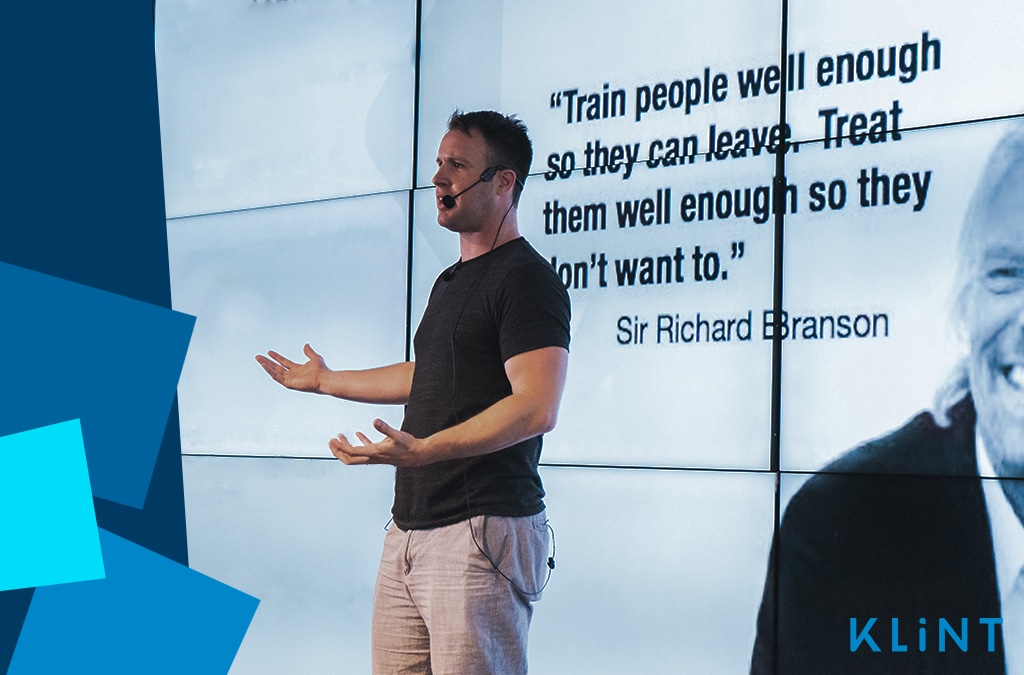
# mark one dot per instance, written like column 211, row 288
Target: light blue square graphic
column 47, row 522
column 149, row 615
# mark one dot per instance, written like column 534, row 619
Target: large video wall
column 756, row 208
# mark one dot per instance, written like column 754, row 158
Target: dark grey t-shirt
column 480, row 314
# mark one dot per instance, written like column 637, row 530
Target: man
column 468, row 551
column 902, row 530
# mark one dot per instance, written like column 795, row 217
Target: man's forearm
column 537, row 379
column 513, row 419
column 387, row 384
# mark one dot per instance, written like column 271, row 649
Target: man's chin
column 456, row 225
column 443, row 220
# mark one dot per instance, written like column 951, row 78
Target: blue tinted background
column 242, row 125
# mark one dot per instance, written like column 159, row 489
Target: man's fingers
column 397, row 435
column 345, row 451
column 273, row 369
column 393, row 449
column 280, row 359
column 339, row 444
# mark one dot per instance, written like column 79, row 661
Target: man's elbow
column 545, row 420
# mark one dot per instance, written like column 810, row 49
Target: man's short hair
column 507, row 141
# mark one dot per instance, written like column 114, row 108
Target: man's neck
column 474, row 244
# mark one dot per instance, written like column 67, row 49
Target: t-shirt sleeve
column 534, row 310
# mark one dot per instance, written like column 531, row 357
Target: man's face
column 994, row 316
column 461, row 158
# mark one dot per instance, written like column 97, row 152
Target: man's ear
column 506, row 180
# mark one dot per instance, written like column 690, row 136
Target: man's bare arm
column 537, row 378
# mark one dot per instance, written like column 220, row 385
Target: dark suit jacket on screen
column 896, row 528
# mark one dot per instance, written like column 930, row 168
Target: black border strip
column 415, row 172
column 779, row 182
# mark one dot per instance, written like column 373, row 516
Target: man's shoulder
column 922, row 446
column 522, row 265
column 519, row 252
column 898, row 469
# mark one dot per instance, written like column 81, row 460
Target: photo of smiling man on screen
column 900, row 556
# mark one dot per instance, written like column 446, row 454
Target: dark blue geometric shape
column 13, row 608
column 84, row 202
column 83, row 198
column 149, row 615
column 110, row 361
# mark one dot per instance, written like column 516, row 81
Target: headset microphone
column 485, row 177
